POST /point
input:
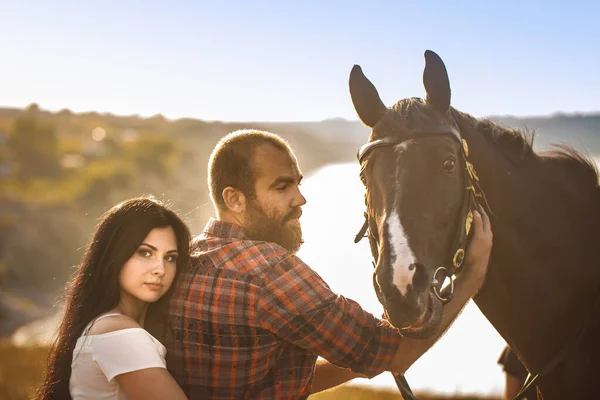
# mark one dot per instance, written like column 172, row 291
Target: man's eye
column 282, row 187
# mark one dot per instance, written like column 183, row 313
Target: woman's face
column 149, row 272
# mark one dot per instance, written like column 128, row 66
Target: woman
column 102, row 350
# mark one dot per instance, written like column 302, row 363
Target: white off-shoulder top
column 98, row 359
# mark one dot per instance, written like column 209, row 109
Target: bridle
column 471, row 202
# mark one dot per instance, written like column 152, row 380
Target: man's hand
column 478, row 252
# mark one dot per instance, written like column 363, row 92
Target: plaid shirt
column 249, row 319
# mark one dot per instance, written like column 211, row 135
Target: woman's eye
column 171, row 258
column 144, row 253
column 449, row 165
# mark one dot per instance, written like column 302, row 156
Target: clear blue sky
column 290, row 60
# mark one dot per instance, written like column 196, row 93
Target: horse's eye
column 363, row 178
column 449, row 165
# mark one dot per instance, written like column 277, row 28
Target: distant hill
column 581, row 131
column 48, row 214
column 46, row 221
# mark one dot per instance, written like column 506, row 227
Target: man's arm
column 466, row 286
column 298, row 306
column 328, row 375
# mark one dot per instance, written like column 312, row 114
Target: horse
column 426, row 167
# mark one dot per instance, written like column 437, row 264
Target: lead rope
column 401, row 382
column 404, row 388
column 474, row 191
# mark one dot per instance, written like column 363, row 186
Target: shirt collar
column 222, row 229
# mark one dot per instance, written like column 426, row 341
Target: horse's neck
column 534, row 293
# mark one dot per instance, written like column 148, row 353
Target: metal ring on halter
column 435, row 288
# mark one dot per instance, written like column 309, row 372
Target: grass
column 21, row 370
column 351, row 392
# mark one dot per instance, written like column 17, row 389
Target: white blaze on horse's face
column 401, row 257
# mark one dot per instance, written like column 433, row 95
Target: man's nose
column 299, row 199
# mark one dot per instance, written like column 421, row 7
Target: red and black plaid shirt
column 249, row 319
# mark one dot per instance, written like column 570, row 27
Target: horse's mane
column 517, row 146
column 514, row 143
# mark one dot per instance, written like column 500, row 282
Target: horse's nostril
column 415, row 265
column 387, row 294
column 419, row 279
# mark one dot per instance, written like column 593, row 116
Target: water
column 463, row 361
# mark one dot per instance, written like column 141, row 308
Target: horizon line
column 330, row 119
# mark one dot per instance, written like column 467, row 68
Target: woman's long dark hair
column 94, row 288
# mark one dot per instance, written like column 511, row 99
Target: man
column 249, row 319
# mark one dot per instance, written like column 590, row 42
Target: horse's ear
column 437, row 85
column 365, row 98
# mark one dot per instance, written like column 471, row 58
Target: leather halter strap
column 437, row 130
column 470, row 203
column 465, row 215
column 474, row 195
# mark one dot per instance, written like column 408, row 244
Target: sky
column 290, row 60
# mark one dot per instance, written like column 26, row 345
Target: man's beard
column 268, row 227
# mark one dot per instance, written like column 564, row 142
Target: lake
column 463, row 361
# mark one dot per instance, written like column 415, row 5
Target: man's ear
column 235, row 201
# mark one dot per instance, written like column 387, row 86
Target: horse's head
column 414, row 171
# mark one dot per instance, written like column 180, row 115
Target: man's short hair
column 229, row 163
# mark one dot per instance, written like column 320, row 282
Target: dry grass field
column 21, row 370
column 361, row 393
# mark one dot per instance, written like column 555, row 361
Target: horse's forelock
column 413, row 112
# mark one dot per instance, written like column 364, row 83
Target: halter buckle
column 458, row 258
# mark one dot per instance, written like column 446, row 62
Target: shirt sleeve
column 298, row 306
column 125, row 351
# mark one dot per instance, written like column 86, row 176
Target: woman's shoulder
column 118, row 344
column 113, row 323
column 110, row 330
